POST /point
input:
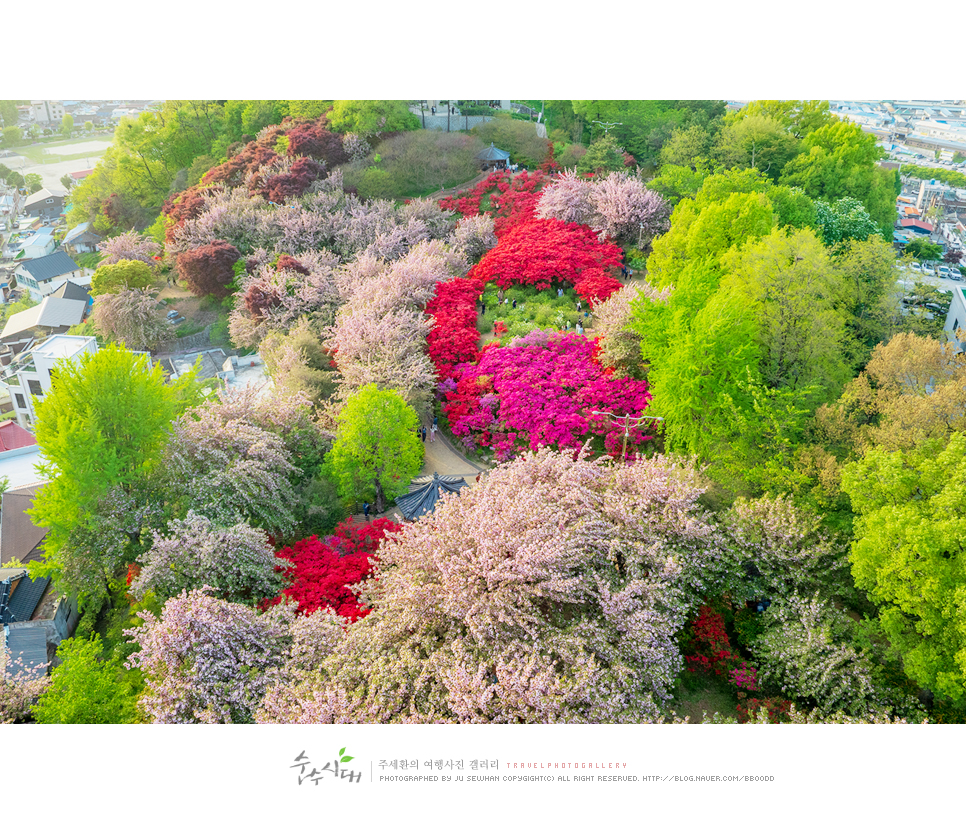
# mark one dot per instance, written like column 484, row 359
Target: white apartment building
column 28, row 375
column 46, row 112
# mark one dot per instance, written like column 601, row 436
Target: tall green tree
column 101, row 429
column 372, row 117
column 756, row 141
column 377, row 451
column 86, row 689
column 839, row 160
column 908, row 554
column 798, row 117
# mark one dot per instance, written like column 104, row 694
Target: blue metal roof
column 53, row 265
column 423, row 495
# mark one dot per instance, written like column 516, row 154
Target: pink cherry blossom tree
column 130, row 245
column 552, row 592
column 206, row 660
column 237, row 562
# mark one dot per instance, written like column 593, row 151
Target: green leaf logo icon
column 343, row 757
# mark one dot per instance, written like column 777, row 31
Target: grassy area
column 36, row 152
column 535, row 310
column 698, row 693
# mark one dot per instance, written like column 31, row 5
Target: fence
column 452, row 123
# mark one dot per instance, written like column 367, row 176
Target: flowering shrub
column 545, row 252
column 483, row 616
column 774, row 709
column 513, row 199
column 322, row 570
column 539, row 392
column 711, row 645
column 453, row 338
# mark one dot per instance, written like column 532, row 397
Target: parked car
column 915, row 266
column 172, row 314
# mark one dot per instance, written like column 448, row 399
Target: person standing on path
column 365, row 510
column 432, row 433
column 422, row 433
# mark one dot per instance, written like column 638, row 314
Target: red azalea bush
column 546, row 251
column 513, row 199
column 322, row 570
column 453, row 338
column 712, row 651
column 539, row 392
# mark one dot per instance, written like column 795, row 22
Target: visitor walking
column 365, row 510
column 578, row 305
column 580, row 328
column 432, row 433
column 514, row 303
column 422, row 433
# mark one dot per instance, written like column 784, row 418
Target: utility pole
column 627, row 419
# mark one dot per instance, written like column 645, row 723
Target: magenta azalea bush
column 540, row 392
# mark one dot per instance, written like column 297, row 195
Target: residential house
column 28, row 374
column 39, row 244
column 44, row 204
column 81, row 240
column 54, row 315
column 916, row 226
column 45, row 275
column 34, row 617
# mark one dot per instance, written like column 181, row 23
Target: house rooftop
column 48, row 267
column 53, row 312
column 61, row 345
column 14, row 437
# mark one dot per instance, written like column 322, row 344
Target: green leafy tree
column 34, row 182
column 756, row 141
column 377, row 451
column 843, row 220
column 121, row 276
column 8, row 113
column 681, row 181
column 686, row 145
column 102, row 425
column 603, row 156
column 86, row 689
column 924, row 250
column 798, row 117
column 839, row 160
column 67, row 124
column 908, row 554
column 372, row 117
column 789, row 282
column 11, row 136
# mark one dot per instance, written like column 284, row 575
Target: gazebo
column 424, row 492
column 493, row 157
